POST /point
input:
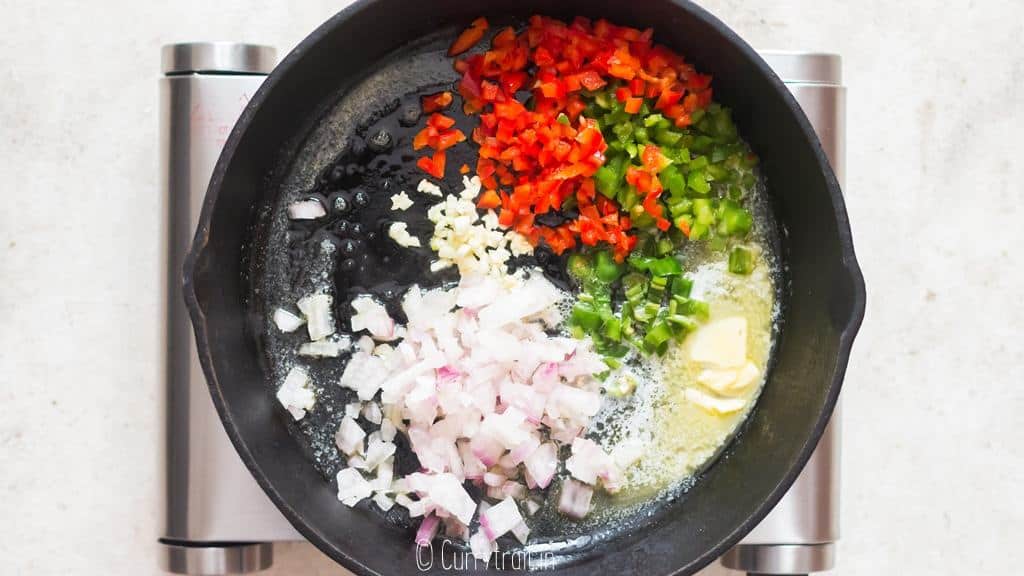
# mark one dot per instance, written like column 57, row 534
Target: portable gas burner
column 217, row 519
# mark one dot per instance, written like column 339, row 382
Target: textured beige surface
column 933, row 398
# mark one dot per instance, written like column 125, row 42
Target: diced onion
column 352, row 487
column 500, row 518
column 286, row 321
column 574, row 500
column 295, row 394
column 310, row 209
column 319, row 319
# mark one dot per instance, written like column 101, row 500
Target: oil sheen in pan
column 295, row 259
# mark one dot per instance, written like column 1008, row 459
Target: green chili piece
column 584, row 316
column 691, row 307
column 635, row 287
column 613, row 329
column 741, row 260
column 606, row 268
column 578, row 266
column 683, row 324
column 659, row 333
column 681, row 286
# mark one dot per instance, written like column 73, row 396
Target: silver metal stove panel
column 210, row 495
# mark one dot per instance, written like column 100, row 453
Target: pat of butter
column 746, row 377
column 721, row 343
column 721, row 381
column 714, row 404
column 729, row 382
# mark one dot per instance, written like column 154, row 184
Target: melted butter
column 683, row 437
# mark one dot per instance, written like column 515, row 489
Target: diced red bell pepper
column 433, row 165
column 435, row 102
column 654, row 161
column 469, row 37
column 591, row 80
column 440, row 121
column 488, row 200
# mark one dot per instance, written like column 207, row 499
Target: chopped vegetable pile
column 619, row 137
column 482, row 393
column 599, row 145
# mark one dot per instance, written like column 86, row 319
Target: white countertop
column 934, row 397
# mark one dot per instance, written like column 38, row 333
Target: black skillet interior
column 823, row 314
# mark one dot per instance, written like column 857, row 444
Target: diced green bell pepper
column 735, row 220
column 606, row 268
column 698, row 182
column 672, row 180
column 741, row 260
column 665, row 266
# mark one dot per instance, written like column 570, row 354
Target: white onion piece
column 383, row 501
column 522, row 532
column 377, row 451
column 319, row 319
column 372, row 413
column 574, row 501
column 373, row 317
column 352, row 487
column 589, row 461
column 482, row 547
column 472, row 467
column 310, row 209
column 493, row 479
column 384, row 482
column 364, row 373
column 513, row 490
column 500, row 518
column 325, row 348
column 387, row 430
column 349, row 437
column 486, row 448
column 286, row 321
column 542, row 463
column 295, row 394
column 445, row 492
column 416, row 508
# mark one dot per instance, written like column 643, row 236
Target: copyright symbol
column 424, row 557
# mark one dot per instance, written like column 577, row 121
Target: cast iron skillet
column 824, row 309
